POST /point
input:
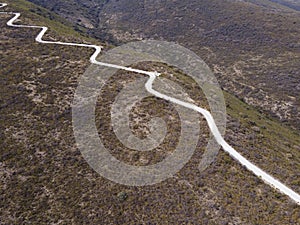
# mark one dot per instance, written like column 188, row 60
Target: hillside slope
column 45, row 180
column 252, row 45
column 253, row 51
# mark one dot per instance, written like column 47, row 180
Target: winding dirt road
column 152, row 76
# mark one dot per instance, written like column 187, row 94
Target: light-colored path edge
column 268, row 179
